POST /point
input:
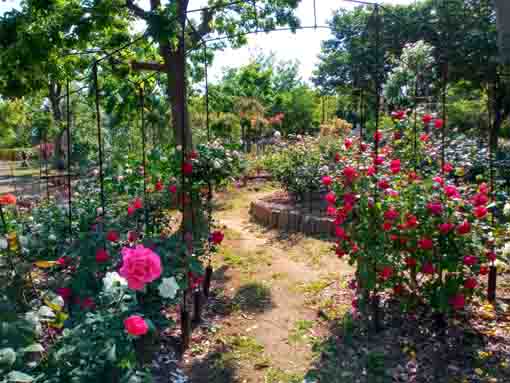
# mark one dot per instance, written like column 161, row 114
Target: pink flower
column 470, row 260
column 347, row 143
column 435, row 207
column 470, row 283
column 331, row 211
column 112, row 236
column 136, row 325
column 438, row 124
column 425, row 243
column 379, row 160
column 137, row 203
column 386, row 273
column 483, row 188
column 428, row 268
column 331, row 197
column 131, row 210
column 350, row 173
column 102, row 256
column 438, row 180
column 398, row 115
column 371, row 171
column 480, row 199
column 132, row 236
column 445, row 228
column 424, row 137
column 458, row 301
column 391, row 214
column 327, row 180
column 217, row 237
column 140, row 266
column 64, row 261
column 427, row 118
column 480, row 212
column 172, row 189
column 395, row 166
column 340, row 232
column 451, row 191
column 412, row 176
column 349, row 199
column 464, row 228
column 187, row 168
column 447, row 167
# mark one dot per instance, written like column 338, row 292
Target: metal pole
column 99, row 138
column 68, row 135
column 144, row 156
column 206, row 64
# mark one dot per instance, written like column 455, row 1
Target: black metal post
column 99, row 138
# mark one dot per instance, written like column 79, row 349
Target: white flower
column 3, row 243
column 52, row 237
column 506, row 209
column 99, row 211
column 277, row 135
column 178, row 148
column 7, row 356
column 168, row 288
column 506, row 250
column 112, row 281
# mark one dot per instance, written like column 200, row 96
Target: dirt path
column 263, row 317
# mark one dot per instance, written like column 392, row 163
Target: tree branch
column 148, row 66
column 205, row 25
column 138, row 11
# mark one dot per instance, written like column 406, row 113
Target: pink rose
column 140, row 266
column 136, row 325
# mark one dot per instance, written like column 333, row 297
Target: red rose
column 397, row 136
column 87, row 303
column 451, row 191
column 435, row 207
column 483, row 188
column 64, row 261
column 159, row 186
column 172, row 189
column 387, row 226
column 131, row 210
column 363, row 147
column 480, row 199
column 383, row 184
column 217, row 237
column 386, row 273
column 337, row 157
column 395, row 166
column 424, row 137
column 195, row 280
column 470, row 283
column 331, row 197
column 411, row 222
column 480, row 212
column 138, row 203
column 438, row 180
column 339, row 252
column 445, row 228
column 425, row 244
column 112, row 236
column 340, row 232
column 391, row 214
column 447, row 168
column 458, row 301
column 347, row 143
column 411, row 262
column 350, row 198
column 187, row 168
column 398, row 289
column 428, row 268
column 464, row 228
column 438, row 124
column 371, row 171
column 412, row 176
column 65, row 293
column 193, row 155
column 427, row 118
column 132, row 236
column 102, row 256
column 484, row 270
column 377, row 136
column 491, row 256
column 327, row 180
column 379, row 160
column 350, row 173
column 136, row 325
column 331, row 211
column 470, row 260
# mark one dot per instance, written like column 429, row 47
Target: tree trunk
column 54, row 94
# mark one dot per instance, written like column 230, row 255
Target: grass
column 246, row 261
column 311, row 251
column 276, row 375
column 300, row 331
column 253, row 297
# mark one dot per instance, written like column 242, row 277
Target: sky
column 303, row 46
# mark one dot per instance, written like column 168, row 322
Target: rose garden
column 161, row 226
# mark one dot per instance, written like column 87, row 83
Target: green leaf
column 35, row 347
column 19, row 377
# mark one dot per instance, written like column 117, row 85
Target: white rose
column 168, row 288
column 113, row 281
column 506, row 209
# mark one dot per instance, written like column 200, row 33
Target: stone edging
column 291, row 220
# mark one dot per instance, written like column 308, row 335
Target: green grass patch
column 253, row 297
column 300, row 331
column 276, row 375
column 246, row 261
